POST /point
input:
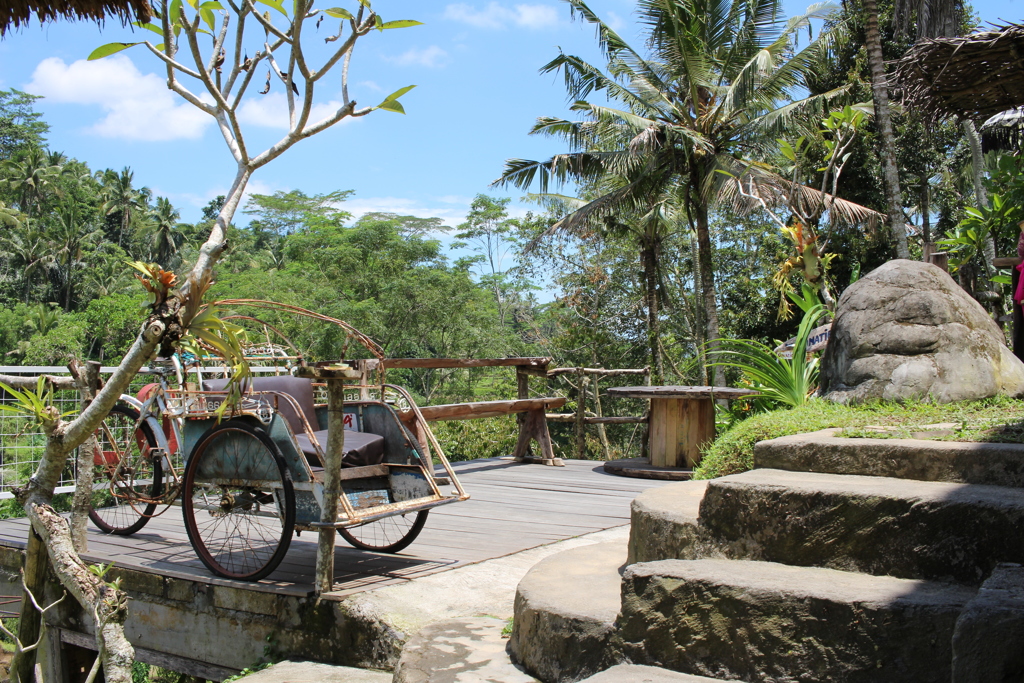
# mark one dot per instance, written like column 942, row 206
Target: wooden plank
column 479, row 409
column 513, row 508
column 697, row 428
column 680, row 392
column 464, row 362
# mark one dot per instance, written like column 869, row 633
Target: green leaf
column 109, row 49
column 391, row 105
column 175, row 12
column 1002, row 280
column 207, row 16
column 378, row 22
column 398, row 93
column 401, row 23
column 150, row 27
column 276, row 4
column 211, row 4
column 338, row 13
column 365, row 3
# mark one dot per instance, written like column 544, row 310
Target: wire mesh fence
column 22, row 440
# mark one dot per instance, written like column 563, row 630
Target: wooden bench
column 533, row 428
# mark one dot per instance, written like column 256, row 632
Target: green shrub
column 473, row 439
column 733, row 451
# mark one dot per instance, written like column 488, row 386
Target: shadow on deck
column 183, row 618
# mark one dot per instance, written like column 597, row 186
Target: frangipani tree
column 203, row 47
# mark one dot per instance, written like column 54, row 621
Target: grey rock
column 760, row 621
column 314, row 672
column 907, row 330
column 878, row 525
column 565, row 613
column 637, row 673
column 468, row 650
column 988, row 643
column 663, row 522
column 997, row 464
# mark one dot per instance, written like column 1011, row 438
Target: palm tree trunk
column 926, row 218
column 649, row 258
column 880, row 90
column 705, row 268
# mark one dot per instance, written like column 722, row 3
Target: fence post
column 601, row 433
column 522, row 392
column 581, row 408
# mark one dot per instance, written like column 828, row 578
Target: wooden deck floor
column 513, row 507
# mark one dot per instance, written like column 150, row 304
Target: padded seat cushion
column 299, row 388
column 361, row 448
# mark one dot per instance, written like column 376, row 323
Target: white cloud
column 433, row 57
column 271, row 111
column 138, row 106
column 495, row 15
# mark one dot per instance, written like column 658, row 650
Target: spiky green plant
column 780, row 381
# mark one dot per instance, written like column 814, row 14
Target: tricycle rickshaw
column 250, row 473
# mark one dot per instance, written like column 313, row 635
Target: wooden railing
column 531, row 412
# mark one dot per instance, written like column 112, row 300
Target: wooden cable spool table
column 682, row 419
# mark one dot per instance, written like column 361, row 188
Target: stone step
column 565, row 613
column 997, row 464
column 314, row 672
column 637, row 673
column 877, row 525
column 467, row 650
column 762, row 621
column 663, row 522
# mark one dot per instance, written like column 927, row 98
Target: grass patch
column 998, row 419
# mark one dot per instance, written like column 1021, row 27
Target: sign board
column 352, row 421
column 816, row 342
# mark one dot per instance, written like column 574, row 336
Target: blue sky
column 475, row 64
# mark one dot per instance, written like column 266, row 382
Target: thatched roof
column 14, row 13
column 974, row 76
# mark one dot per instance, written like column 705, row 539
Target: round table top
column 679, row 392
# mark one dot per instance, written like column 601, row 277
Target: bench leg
column 534, row 427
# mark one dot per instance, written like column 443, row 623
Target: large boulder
column 907, row 330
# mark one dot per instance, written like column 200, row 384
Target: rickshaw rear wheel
column 119, row 506
column 238, row 501
column 389, row 535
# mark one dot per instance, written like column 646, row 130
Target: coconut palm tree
column 933, row 18
column 121, row 198
column 30, row 251
column 718, row 84
column 68, row 233
column 31, row 178
column 164, row 236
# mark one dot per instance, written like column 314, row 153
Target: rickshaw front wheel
column 125, row 477
column 388, row 535
column 238, row 501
